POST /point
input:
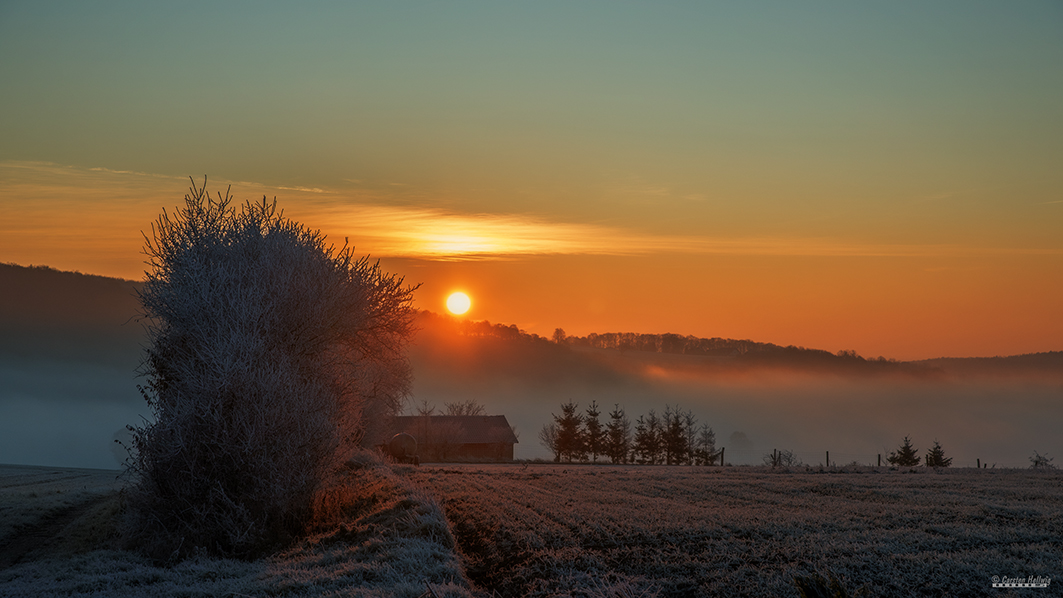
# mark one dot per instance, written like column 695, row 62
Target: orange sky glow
column 883, row 178
column 901, row 301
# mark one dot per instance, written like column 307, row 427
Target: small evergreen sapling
column 935, row 457
column 905, row 456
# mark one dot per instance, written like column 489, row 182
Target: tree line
column 669, row 438
column 675, row 344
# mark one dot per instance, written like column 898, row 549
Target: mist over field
column 992, row 410
column 70, row 346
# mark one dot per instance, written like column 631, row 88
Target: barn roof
column 462, row 429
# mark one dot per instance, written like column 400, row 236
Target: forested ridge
column 737, row 351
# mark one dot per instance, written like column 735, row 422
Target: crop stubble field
column 577, row 530
column 544, row 530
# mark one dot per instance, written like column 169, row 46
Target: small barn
column 460, row 437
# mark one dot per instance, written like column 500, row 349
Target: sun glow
column 458, row 303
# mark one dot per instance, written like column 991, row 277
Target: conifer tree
column 706, row 450
column 673, row 436
column 935, row 457
column 690, row 427
column 650, row 448
column 905, row 456
column 618, row 435
column 642, row 449
column 570, row 441
column 594, row 434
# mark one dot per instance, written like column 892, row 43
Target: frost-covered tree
column 271, row 357
column 935, row 457
column 905, row 456
column 593, row 433
column 618, row 435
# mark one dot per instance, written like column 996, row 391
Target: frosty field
column 593, row 531
column 545, row 530
column 57, row 539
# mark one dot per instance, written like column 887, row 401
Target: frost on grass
column 616, row 531
column 30, row 493
column 387, row 539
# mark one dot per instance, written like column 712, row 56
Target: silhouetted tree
column 690, row 427
column 706, row 451
column 570, row 441
column 646, row 445
column 783, row 458
column 618, row 436
column 641, row 445
column 905, row 456
column 548, row 438
column 935, row 457
column 469, row 407
column 593, row 435
column 559, row 336
column 673, row 436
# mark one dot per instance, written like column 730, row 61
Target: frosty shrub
column 1039, row 461
column 783, row 458
column 272, row 357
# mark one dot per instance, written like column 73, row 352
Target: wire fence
column 736, row 456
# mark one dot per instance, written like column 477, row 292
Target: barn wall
column 468, row 452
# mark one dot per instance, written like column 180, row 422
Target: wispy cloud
column 437, row 234
column 119, row 204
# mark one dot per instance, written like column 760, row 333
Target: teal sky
column 716, row 114
column 908, row 124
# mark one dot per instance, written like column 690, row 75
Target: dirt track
column 45, row 510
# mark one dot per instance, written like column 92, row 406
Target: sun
column 458, row 303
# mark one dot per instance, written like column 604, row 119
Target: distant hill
column 1050, row 362
column 504, row 347
column 50, row 314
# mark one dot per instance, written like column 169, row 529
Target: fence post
column 880, row 459
column 979, row 464
column 828, row 458
column 722, row 449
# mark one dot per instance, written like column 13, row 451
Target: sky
column 883, row 178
